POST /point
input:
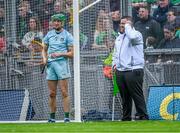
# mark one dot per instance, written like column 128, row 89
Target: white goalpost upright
column 77, row 104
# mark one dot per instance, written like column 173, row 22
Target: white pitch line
column 44, row 121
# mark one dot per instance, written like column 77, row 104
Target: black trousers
column 130, row 87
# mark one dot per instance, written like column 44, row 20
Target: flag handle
column 113, row 108
column 115, row 91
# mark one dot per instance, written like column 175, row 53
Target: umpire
column 128, row 64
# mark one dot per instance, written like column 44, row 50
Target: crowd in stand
column 2, row 39
column 157, row 20
column 33, row 19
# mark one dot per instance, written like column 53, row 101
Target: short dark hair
column 128, row 18
column 169, row 27
column 146, row 8
column 174, row 11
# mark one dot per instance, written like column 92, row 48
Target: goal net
column 23, row 88
column 96, row 89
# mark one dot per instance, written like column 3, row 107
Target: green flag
column 115, row 90
column 108, row 60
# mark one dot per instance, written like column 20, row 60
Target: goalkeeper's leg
column 66, row 100
column 52, row 85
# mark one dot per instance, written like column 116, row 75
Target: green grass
column 95, row 127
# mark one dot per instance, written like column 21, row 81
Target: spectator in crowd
column 153, row 6
column 169, row 40
column 2, row 30
column 128, row 64
column 89, row 17
column 51, row 27
column 22, row 20
column 35, row 33
column 27, row 4
column 148, row 26
column 2, row 20
column 46, row 12
column 68, row 5
column 2, row 44
column 115, row 19
column 136, row 4
column 58, row 47
column 151, row 42
column 32, row 40
column 173, row 19
column 135, row 11
column 114, row 5
column 59, row 9
column 35, row 6
column 102, row 37
column 83, row 40
column 160, row 14
column 69, row 12
column 45, row 30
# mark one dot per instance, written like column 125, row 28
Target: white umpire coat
column 128, row 50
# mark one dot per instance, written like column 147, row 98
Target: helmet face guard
column 58, row 17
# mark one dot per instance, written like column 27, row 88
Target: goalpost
column 77, row 104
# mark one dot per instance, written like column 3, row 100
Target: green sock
column 66, row 114
column 52, row 115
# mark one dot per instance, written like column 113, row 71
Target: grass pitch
column 96, row 127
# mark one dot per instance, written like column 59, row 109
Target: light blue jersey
column 57, row 42
column 58, row 68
